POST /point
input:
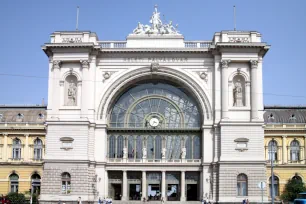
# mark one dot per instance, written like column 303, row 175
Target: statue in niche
column 144, row 153
column 238, row 94
column 72, row 94
column 164, row 153
column 183, row 153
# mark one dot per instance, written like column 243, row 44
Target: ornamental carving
column 239, row 39
column 57, row 64
column 106, row 75
column 254, row 63
column 154, row 66
column 225, row 63
column 84, row 63
column 204, row 76
column 72, row 40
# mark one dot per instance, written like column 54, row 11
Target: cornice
column 155, row 50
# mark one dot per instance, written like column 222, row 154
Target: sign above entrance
column 155, row 59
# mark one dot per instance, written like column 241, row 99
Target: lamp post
column 272, row 175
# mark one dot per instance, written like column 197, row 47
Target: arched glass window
column 120, row 147
column 157, row 107
column 272, row 150
column 35, row 181
column 14, row 182
column 66, row 183
column 294, row 151
column 158, row 147
column 139, row 147
column 276, row 186
column 188, row 145
column 150, row 147
column 296, row 177
column 112, row 147
column 196, row 147
column 242, row 185
column 38, row 147
column 16, row 149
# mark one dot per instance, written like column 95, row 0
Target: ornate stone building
column 155, row 116
column 285, row 132
column 22, row 145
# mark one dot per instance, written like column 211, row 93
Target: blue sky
column 26, row 25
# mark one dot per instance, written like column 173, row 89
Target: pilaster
column 26, row 148
column 85, row 88
column 124, row 186
column 254, row 90
column 144, row 185
column 164, row 185
column 224, row 88
column 284, row 146
column 183, row 196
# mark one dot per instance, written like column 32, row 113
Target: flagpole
column 234, row 17
column 77, row 19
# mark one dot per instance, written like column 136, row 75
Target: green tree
column 16, row 198
column 292, row 189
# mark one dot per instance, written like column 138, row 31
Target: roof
column 285, row 114
column 22, row 113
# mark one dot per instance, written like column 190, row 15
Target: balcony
column 155, row 161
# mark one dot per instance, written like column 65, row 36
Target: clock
column 154, row 122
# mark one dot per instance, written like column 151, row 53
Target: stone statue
column 72, row 94
column 237, row 94
column 139, row 29
column 183, row 153
column 164, row 153
column 144, row 153
column 155, row 21
column 125, row 153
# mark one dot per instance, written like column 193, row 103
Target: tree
column 16, row 198
column 292, row 189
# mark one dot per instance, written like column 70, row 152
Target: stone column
column 106, row 184
column 163, row 186
column 254, row 90
column 85, row 102
column 284, row 149
column 183, row 197
column 124, row 186
column 144, row 184
column 224, row 88
column 26, row 151
column 247, row 93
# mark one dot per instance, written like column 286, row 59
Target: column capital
column 254, row 63
column 225, row 63
column 26, row 135
column 84, row 64
column 57, row 64
column 285, row 136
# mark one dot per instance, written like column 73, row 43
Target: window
column 14, row 183
column 272, row 150
column 16, row 149
column 276, row 186
column 35, row 181
column 120, row 147
column 242, row 185
column 38, row 149
column 294, row 151
column 66, row 183
column 296, row 177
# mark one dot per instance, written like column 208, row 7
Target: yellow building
column 285, row 133
column 22, row 139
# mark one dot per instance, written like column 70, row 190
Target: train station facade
column 154, row 117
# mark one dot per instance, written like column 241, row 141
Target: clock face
column 154, row 122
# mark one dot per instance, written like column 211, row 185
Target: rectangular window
column 16, row 153
column 14, row 186
column 37, row 153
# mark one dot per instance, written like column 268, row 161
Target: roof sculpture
column 157, row 26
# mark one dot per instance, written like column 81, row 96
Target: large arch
column 122, row 82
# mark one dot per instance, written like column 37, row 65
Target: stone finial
column 225, row 63
column 57, row 64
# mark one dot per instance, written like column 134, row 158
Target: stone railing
column 187, row 44
column 130, row 160
column 197, row 44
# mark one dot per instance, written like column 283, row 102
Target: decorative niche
column 241, row 144
column 67, row 143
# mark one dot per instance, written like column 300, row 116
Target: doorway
column 172, row 192
column 192, row 192
column 116, row 191
column 135, row 192
column 154, row 192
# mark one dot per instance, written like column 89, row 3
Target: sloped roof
column 24, row 114
column 285, row 114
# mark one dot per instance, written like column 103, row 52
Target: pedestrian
column 247, row 201
column 202, row 201
column 80, row 200
column 162, row 200
column 243, row 201
column 99, row 201
column 59, row 202
column 144, row 200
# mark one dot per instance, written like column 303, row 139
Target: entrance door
column 172, row 192
column 135, row 190
column 154, row 192
column 192, row 191
column 116, row 191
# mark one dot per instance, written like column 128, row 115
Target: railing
column 122, row 44
column 131, row 160
column 197, row 44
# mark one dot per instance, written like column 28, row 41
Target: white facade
column 96, row 74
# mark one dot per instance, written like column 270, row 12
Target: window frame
column 242, row 179
column 66, row 183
